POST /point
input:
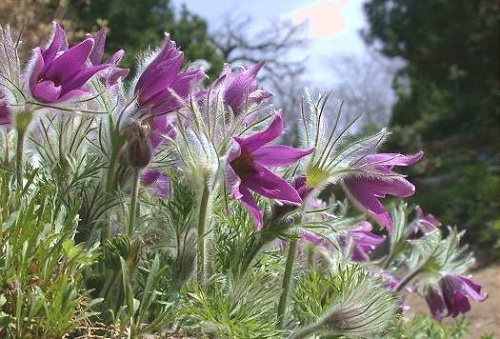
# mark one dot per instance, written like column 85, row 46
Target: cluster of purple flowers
column 60, row 74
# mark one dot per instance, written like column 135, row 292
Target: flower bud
column 137, row 149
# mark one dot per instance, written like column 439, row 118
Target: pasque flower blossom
column 372, row 178
column 241, row 90
column 162, row 87
column 58, row 73
column 249, row 161
column 450, row 296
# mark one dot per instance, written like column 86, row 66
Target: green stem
column 105, row 231
column 133, row 204
column 19, row 157
column 111, row 175
column 202, row 241
column 287, row 277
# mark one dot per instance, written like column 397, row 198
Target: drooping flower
column 114, row 73
column 360, row 241
column 249, row 161
column 163, row 87
column 59, row 73
column 372, row 178
column 450, row 296
column 241, row 90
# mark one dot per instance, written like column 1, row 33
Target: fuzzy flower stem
column 306, row 331
column 406, row 280
column 111, row 174
column 19, row 157
column 133, row 203
column 286, row 281
column 202, row 241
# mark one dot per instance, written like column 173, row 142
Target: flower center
column 243, row 165
column 55, row 79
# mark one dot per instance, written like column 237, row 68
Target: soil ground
column 484, row 318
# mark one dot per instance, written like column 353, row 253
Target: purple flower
column 58, row 73
column 114, row 73
column 361, row 241
column 162, row 87
column 449, row 297
column 373, row 178
column 241, row 90
column 159, row 182
column 248, row 170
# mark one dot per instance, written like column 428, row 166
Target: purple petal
column 426, row 222
column 465, row 286
column 82, row 77
column 279, row 155
column 160, row 72
column 238, row 91
column 116, row 57
column 251, row 205
column 259, row 139
column 154, row 82
column 98, row 50
column 46, row 91
column 300, row 185
column 268, row 184
column 437, row 305
column 258, row 96
column 70, row 62
column 149, row 177
column 366, row 200
column 386, row 161
column 185, row 81
column 58, row 44
column 73, row 94
column 161, row 129
column 158, row 181
column 37, row 67
column 116, row 73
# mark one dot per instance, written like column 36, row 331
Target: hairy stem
column 306, row 331
column 406, row 280
column 19, row 157
column 202, row 239
column 133, row 204
column 287, row 276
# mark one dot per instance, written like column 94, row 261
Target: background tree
column 138, row 25
column 448, row 95
column 280, row 43
column 131, row 25
column 364, row 84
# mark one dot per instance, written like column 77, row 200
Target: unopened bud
column 137, row 149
